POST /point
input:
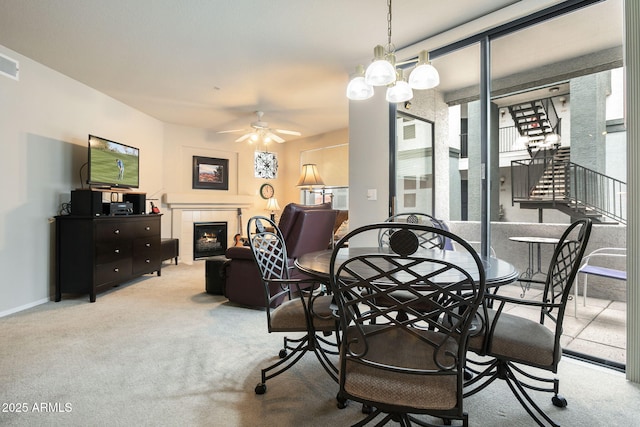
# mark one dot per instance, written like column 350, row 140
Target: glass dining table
column 497, row 272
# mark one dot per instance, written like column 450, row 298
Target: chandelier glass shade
column 400, row 91
column 425, row 75
column 358, row 89
column 381, row 71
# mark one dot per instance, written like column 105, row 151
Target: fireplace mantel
column 210, row 200
column 207, row 205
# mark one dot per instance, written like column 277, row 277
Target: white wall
column 333, row 163
column 181, row 143
column 45, row 119
column 368, row 159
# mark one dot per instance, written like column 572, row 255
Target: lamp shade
column 272, row 204
column 310, row 176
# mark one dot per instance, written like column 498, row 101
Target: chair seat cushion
column 521, row 340
column 604, row 272
column 290, row 316
column 402, row 389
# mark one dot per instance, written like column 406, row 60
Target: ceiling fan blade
column 243, row 137
column 233, row 130
column 288, row 132
column 274, row 137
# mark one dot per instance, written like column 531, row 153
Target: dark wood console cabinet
column 94, row 254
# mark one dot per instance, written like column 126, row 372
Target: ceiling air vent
column 9, row 67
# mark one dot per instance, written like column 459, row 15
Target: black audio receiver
column 120, row 208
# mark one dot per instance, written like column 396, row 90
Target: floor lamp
column 310, row 178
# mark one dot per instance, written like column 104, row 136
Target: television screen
column 112, row 164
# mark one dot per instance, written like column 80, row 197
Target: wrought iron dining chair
column 514, row 343
column 427, row 239
column 406, row 368
column 305, row 308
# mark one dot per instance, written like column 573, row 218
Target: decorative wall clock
column 266, row 191
column 265, row 164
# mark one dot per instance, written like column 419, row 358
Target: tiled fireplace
column 209, row 239
column 187, row 209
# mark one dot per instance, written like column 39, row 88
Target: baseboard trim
column 23, row 307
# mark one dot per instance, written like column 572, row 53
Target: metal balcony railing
column 599, row 192
column 579, row 189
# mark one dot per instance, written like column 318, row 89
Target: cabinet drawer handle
column 148, row 245
column 147, row 228
column 148, row 261
column 116, row 231
column 117, row 251
column 117, row 270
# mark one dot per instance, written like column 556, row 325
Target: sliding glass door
column 412, row 171
column 527, row 127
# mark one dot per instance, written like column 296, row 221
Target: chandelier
column 383, row 72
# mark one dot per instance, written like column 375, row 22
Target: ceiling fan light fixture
column 259, row 131
column 425, row 75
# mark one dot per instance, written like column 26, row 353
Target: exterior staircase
column 536, row 120
column 550, row 181
column 553, row 182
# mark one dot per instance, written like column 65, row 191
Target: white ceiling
column 212, row 64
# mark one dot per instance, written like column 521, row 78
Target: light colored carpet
column 160, row 351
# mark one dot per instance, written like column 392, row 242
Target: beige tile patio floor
column 599, row 329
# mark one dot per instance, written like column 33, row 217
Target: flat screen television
column 112, row 164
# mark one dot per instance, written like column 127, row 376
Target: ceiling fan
column 260, row 131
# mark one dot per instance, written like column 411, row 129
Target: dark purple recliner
column 305, row 229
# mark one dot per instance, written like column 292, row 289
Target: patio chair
column 600, row 263
column 305, row 309
column 514, row 343
column 402, row 368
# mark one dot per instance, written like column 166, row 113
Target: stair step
column 548, row 185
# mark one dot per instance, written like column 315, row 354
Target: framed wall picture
column 265, row 165
column 210, row 173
